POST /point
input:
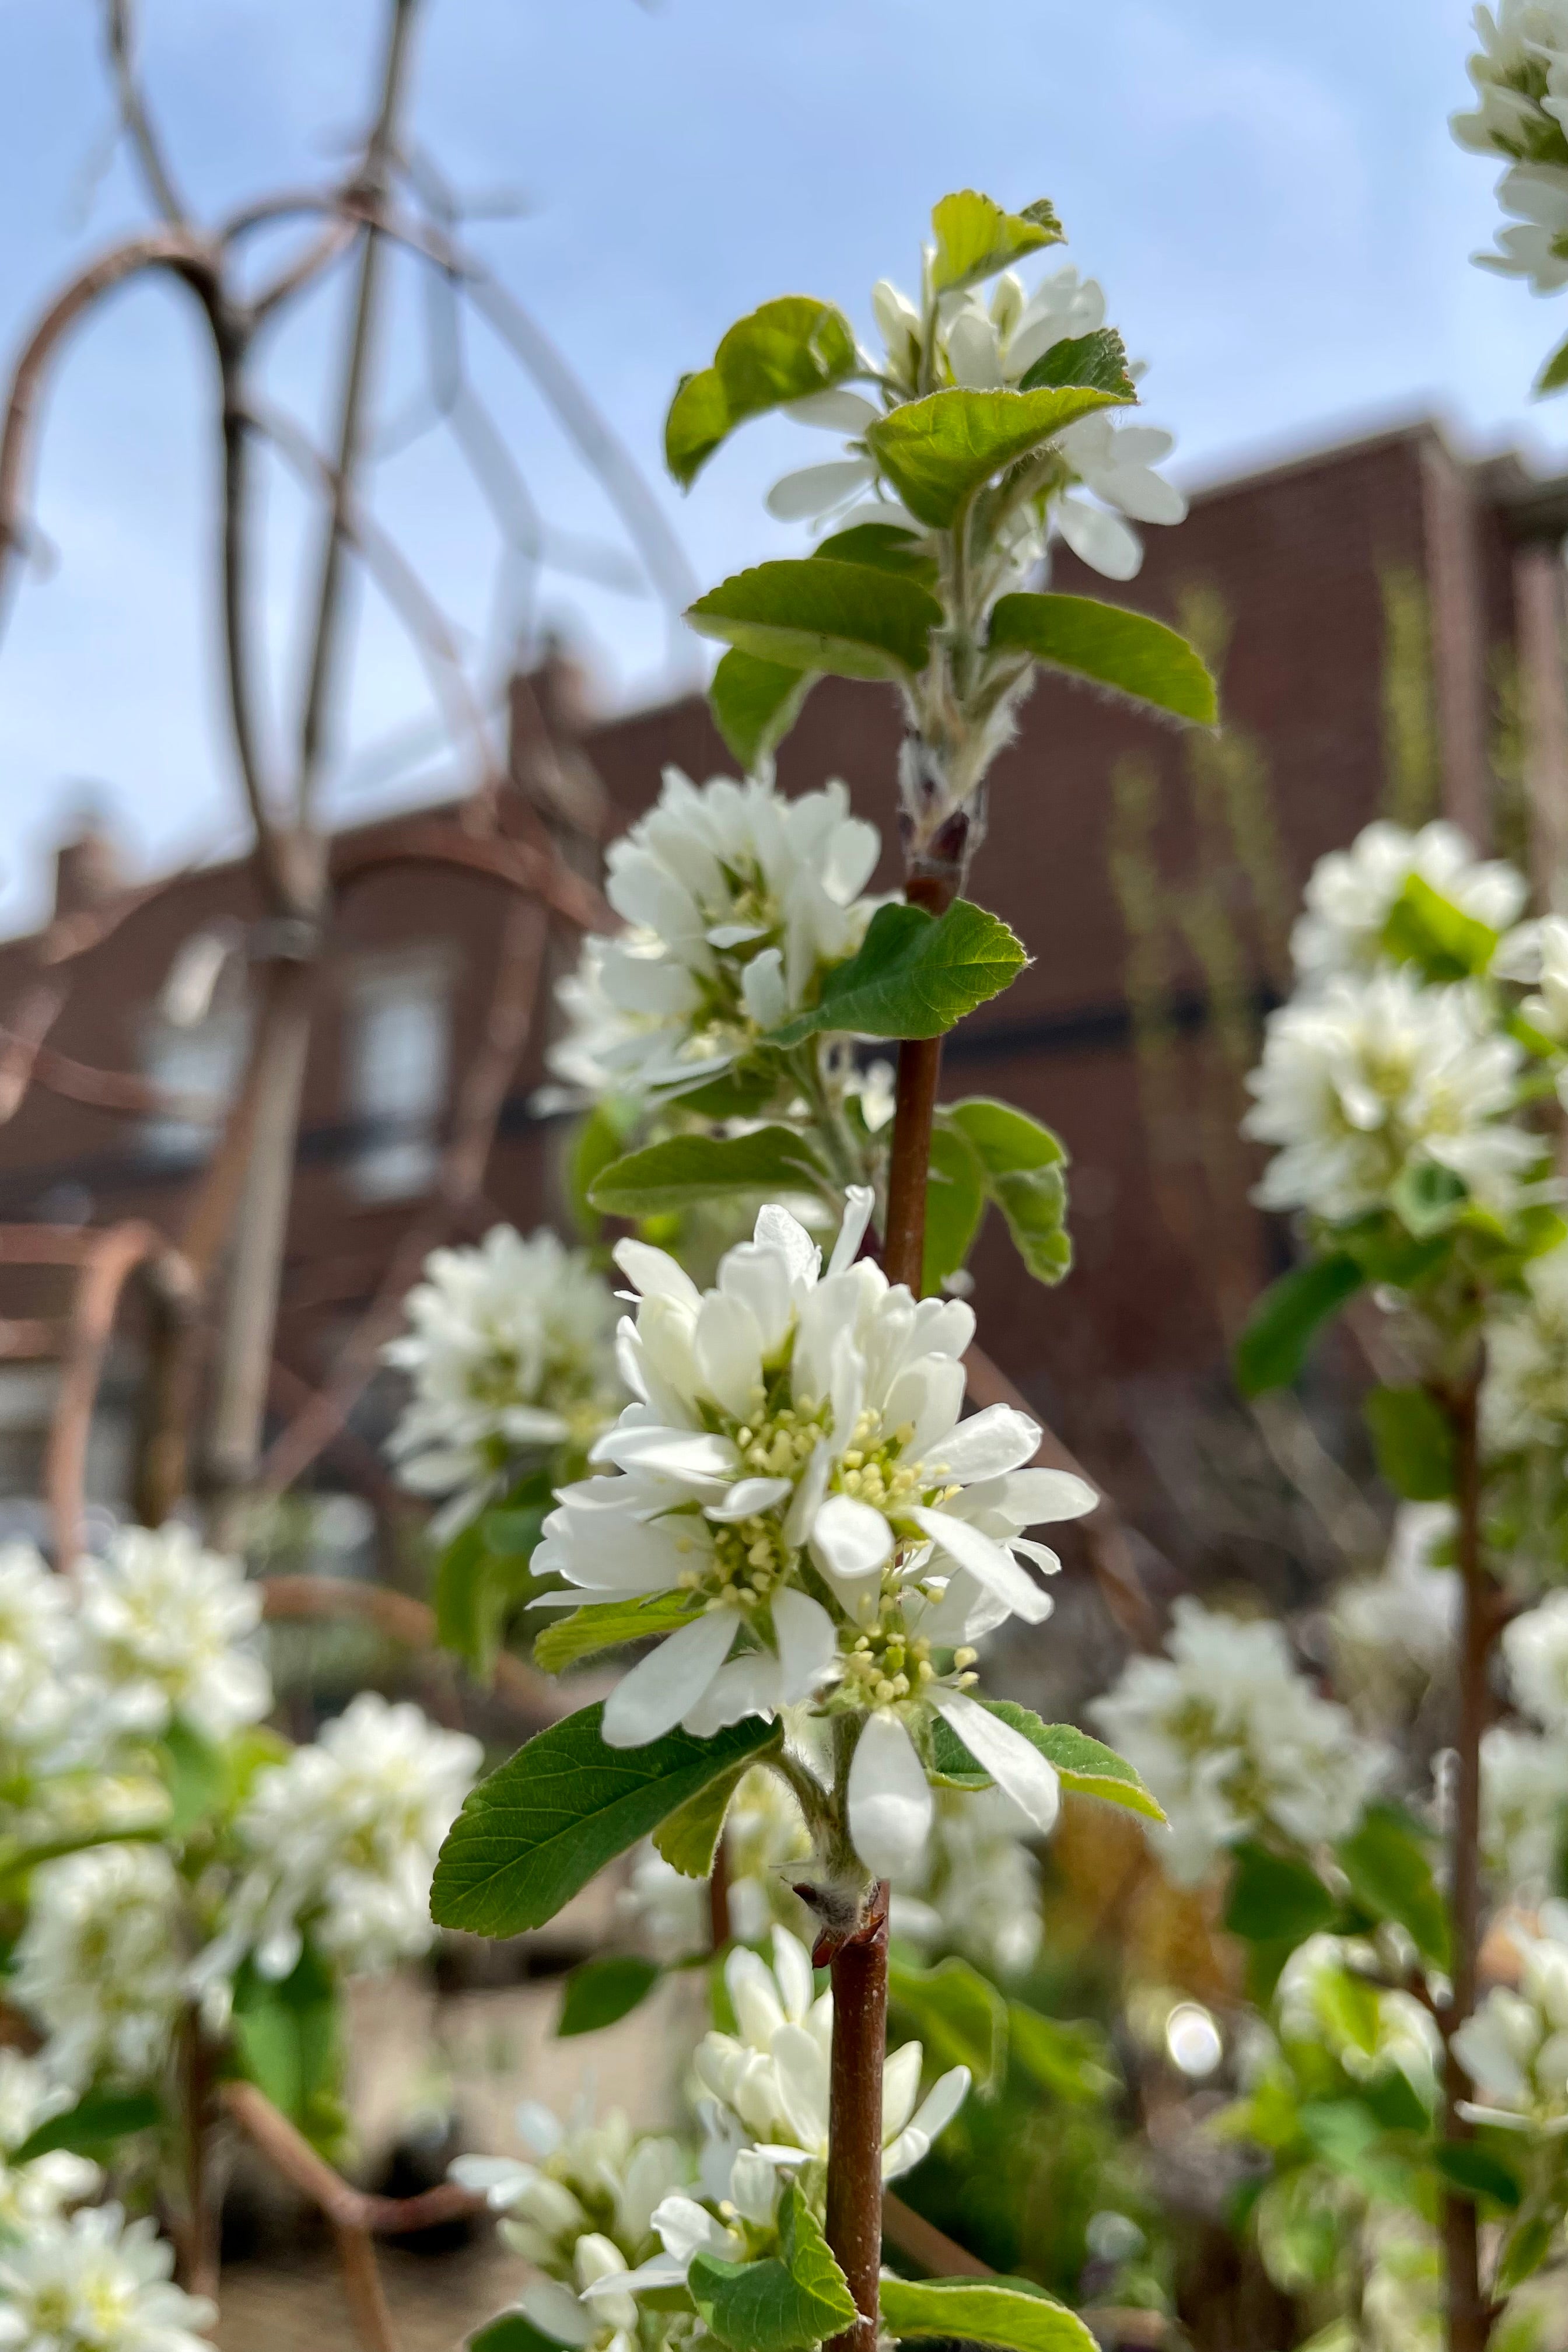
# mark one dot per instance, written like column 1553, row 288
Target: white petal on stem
column 859, row 1203
column 987, row 1563
column 654, row 1274
column 689, row 1454
column 662, row 1687
column 685, row 2228
column 840, row 410
column 729, row 1350
column 801, row 2065
column 1014, row 1762
column 792, row 1971
column 763, row 990
column 775, row 1229
column 901, row 2087
column 990, row 1442
column 746, row 1499
column 813, row 490
column 890, row 1802
column 937, row 2111
column 1032, row 1497
column 850, row 1538
column 1101, row 540
column 808, row 1645
column 556, row 2310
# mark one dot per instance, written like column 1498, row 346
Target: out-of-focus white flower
column 1399, row 1625
column 1352, row 892
column 792, row 1420
column 1515, row 2048
column 1115, row 462
column 1524, row 1795
column 97, row 2282
column 1537, row 953
column 1535, row 1649
column 1231, row 1738
column 1521, row 76
column 1326, row 1995
column 167, row 1626
column 1370, row 1077
column 737, row 901
column 1402, row 2300
column 40, row 2189
column 98, row 1963
column 508, row 1349
column 1535, row 247
column 1524, row 1397
column 51, row 1712
column 343, row 1838
column 980, row 1892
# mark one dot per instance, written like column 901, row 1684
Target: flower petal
column 890, row 1802
column 850, row 1538
column 660, row 1688
column 654, row 1274
column 814, row 489
column 808, row 1645
column 859, row 1203
column 1014, row 1762
column 989, row 1443
column 987, row 1563
column 746, row 1499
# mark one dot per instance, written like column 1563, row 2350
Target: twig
column 112, row 1256
column 436, row 842
column 146, row 144
column 403, row 1619
column 22, row 1041
column 924, row 2244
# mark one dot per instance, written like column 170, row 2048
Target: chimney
column 87, row 867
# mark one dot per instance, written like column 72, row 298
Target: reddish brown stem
column 854, row 2221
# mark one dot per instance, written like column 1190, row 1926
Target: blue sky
column 1269, row 196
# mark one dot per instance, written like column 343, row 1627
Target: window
column 399, row 1050
column 204, row 1062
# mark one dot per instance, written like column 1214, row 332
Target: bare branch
column 111, row 1257
column 120, row 31
column 436, row 841
column 22, row 1040
column 324, row 1598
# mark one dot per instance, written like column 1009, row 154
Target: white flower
column 51, row 1713
column 1116, row 463
column 99, row 1963
column 39, row 2190
column 1231, row 1738
column 508, row 1349
column 980, row 1891
column 1520, row 75
column 1535, row 1650
column 98, row 2284
column 167, row 1626
column 1352, row 892
column 1524, row 1399
column 737, row 900
column 1515, row 2048
column 1400, row 1625
column 343, row 1838
column 1370, row 2035
column 1537, row 247
column 1372, row 1076
column 1524, row 1791
column 797, row 1430
column 1537, row 953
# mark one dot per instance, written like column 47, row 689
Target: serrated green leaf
column 1099, row 358
column 851, row 620
column 689, row 1839
column 1272, row 1349
column 784, row 350
column 540, row 1827
column 975, row 238
column 1388, row 1865
column 955, row 1202
column 914, row 975
column 775, row 2306
column 1553, row 374
column 698, row 422
column 884, row 547
column 286, row 2041
column 956, row 2013
column 983, row 2311
column 686, row 1169
column 1477, row 2173
column 1413, row 1441
column 1130, row 652
column 1275, row 1898
column 755, row 703
column 1082, row 1764
column 91, row 2127
column 1024, row 1165
column 602, row 1991
column 609, row 1625
column 936, row 451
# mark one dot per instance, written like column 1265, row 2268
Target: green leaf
column 937, row 451
column 1427, row 929
column 976, row 238
column 1130, row 652
column 1413, row 1441
column 689, row 1839
column 775, row 2306
column 286, row 2041
column 885, row 547
column 1023, row 1166
column 755, row 703
column 540, row 1827
column 608, row 1624
column 955, row 1202
column 594, row 1141
column 957, row 2013
column 196, row 1775
column 1552, row 377
column 1386, row 1864
column 1427, row 1198
column 483, row 1574
column 1099, row 358
column 512, row 2333
column 914, row 975
column 1272, row 1349
column 1479, row 2174
column 784, row 351
column 983, row 2311
column 810, row 613
column 99, row 2118
column 1275, row 1898
column 1084, row 1765
column 686, row 1169
column 1524, row 2250
column 1070, row 2059
column 602, row 1991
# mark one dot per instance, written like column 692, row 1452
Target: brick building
column 1386, row 613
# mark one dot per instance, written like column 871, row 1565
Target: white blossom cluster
column 1520, row 77
column 1352, row 893
column 337, row 1840
column 1524, row 1396
column 94, row 2281
column 989, row 344
column 1515, row 2048
column 508, row 1355
column 796, row 1469
column 1328, row 1994
column 737, row 901
column 1524, row 1767
column 1234, row 1741
column 1394, row 1632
